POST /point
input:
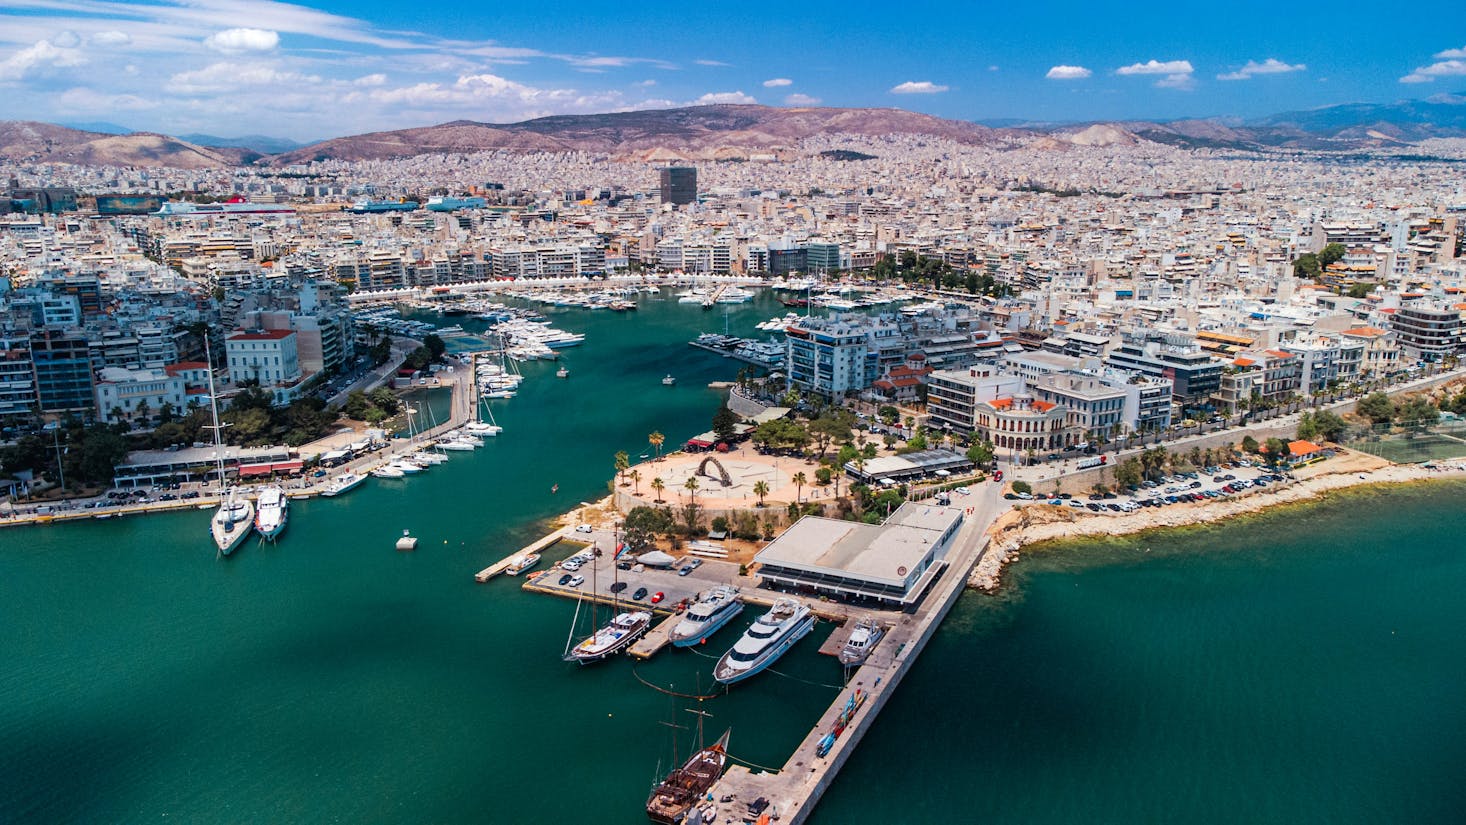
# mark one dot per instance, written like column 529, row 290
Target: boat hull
column 707, row 631
column 729, row 676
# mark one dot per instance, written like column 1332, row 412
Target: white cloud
column 242, row 41
column 376, row 79
column 1068, row 73
column 1428, row 74
column 38, row 58
column 645, row 84
column 82, row 99
column 778, row 81
column 918, row 87
column 797, row 99
column 110, row 38
column 1157, row 67
column 1451, row 54
column 992, row 68
column 1270, row 66
column 66, row 40
column 724, row 97
column 224, row 77
column 711, row 63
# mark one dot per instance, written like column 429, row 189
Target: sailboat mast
column 214, row 409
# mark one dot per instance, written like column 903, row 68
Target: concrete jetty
column 503, row 564
column 656, row 638
column 794, row 790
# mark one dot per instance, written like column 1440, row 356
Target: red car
column 998, row 476
column 658, row 596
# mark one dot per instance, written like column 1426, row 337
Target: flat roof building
column 894, row 562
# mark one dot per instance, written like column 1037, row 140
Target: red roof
column 1043, row 406
column 263, row 335
column 1302, row 448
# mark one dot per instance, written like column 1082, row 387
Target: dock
column 503, row 564
column 656, row 638
column 794, row 790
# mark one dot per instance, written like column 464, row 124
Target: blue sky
column 232, row 67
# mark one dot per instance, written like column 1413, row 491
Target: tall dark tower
column 679, row 184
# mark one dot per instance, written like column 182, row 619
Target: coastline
column 1023, row 526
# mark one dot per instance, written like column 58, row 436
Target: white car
column 962, row 491
column 570, row 564
column 583, row 528
column 576, row 581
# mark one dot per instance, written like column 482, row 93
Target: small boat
column 387, row 471
column 863, row 639
column 408, row 467
column 272, row 511
column 769, row 637
column 522, row 563
column 707, row 615
column 668, row 381
column 674, row 798
column 427, row 458
column 562, row 373
column 407, row 542
column 480, row 428
column 455, row 445
column 615, row 637
column 343, row 483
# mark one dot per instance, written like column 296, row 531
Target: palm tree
column 635, row 476
column 659, row 486
column 799, row 481
column 760, row 489
column 656, row 439
column 691, row 487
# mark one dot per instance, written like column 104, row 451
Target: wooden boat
column 686, row 786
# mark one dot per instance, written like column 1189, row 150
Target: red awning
column 693, row 442
column 247, row 470
column 287, row 466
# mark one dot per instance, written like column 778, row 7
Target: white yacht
column 232, row 521
column 343, row 483
column 427, row 457
column 863, row 639
column 615, row 637
column 456, row 445
column 388, row 471
column 668, row 381
column 768, row 638
column 523, row 563
column 406, row 466
column 272, row 510
column 482, row 428
column 707, row 615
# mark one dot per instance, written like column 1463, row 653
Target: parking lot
column 604, row 577
column 1203, row 485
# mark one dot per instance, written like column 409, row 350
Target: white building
column 268, row 357
column 137, row 394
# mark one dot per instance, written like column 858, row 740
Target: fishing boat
column 668, row 381
column 674, row 797
column 272, row 511
column 707, row 615
column 616, row 636
column 523, row 563
column 769, row 637
column 232, row 521
column 343, row 483
column 562, row 373
column 862, row 640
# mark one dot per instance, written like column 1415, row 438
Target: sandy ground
column 1041, row 522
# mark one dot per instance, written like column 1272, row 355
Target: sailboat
column 605, row 642
column 478, row 426
column 685, row 786
column 232, row 521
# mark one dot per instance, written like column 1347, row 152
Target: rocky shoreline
column 1035, row 523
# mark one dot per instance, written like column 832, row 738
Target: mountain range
column 723, row 132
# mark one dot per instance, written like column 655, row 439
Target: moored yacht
column 272, row 510
column 615, row 637
column 232, row 521
column 388, row 471
column 522, row 563
column 863, row 638
column 768, row 638
column 343, row 483
column 707, row 615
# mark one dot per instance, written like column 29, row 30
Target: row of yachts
column 766, row 640
column 238, row 517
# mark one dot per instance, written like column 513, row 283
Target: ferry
column 272, row 510
column 234, row 206
column 451, row 204
column 863, row 639
column 343, row 483
column 367, row 206
column 707, row 616
column 523, row 563
column 769, row 637
column 613, row 638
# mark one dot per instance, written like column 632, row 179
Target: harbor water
column 1302, row 665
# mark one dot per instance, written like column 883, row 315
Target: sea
column 1305, row 664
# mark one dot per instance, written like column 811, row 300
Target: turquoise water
column 1305, row 666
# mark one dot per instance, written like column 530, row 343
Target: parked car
column 658, row 596
column 576, row 581
column 618, row 587
column 565, row 579
column 639, row 594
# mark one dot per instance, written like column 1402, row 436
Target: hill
column 24, row 140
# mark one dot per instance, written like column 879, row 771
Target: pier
column 794, row 790
column 503, row 564
column 656, row 638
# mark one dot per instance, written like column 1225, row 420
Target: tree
column 1330, row 425
column 1022, row 487
column 724, row 421
column 888, row 414
column 800, row 479
column 1277, row 451
column 1360, row 290
column 1129, row 472
column 1249, row 444
column 644, row 524
column 1377, row 407
column 381, row 352
column 659, row 485
column 980, row 453
column 720, row 524
column 1330, row 255
column 635, row 476
column 435, row 346
column 1419, row 410
column 1307, row 427
column 623, row 463
column 691, row 486
column 1306, row 266
column 656, row 439
column 760, row 489
column 832, row 426
column 822, row 475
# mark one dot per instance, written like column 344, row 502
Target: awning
column 249, row 470
column 697, row 442
column 287, row 466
